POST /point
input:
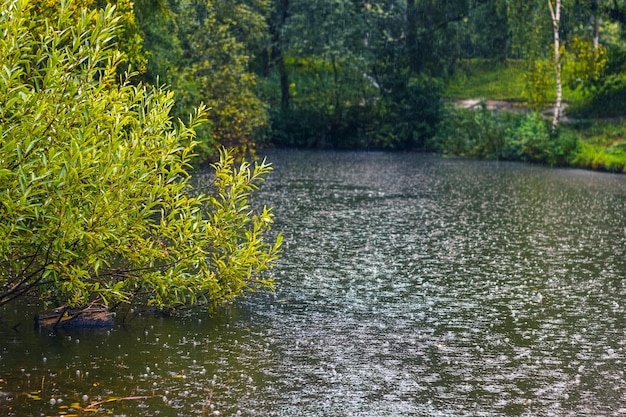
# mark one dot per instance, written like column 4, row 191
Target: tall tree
column 203, row 49
column 615, row 9
column 324, row 42
column 486, row 33
column 217, row 59
column 273, row 53
column 412, row 25
column 555, row 13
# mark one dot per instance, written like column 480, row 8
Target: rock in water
column 91, row 316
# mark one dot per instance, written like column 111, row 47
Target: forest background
column 354, row 74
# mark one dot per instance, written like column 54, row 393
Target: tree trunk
column 411, row 35
column 284, row 83
column 596, row 32
column 596, row 25
column 278, row 60
column 555, row 12
column 265, row 56
column 92, row 316
column 277, row 53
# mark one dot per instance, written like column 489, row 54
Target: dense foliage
column 95, row 197
column 354, row 74
column 202, row 50
column 484, row 133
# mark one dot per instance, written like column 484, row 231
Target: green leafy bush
column 530, row 140
column 483, row 133
column 95, row 196
column 336, row 105
column 533, row 141
column 598, row 157
column 408, row 112
column 473, row 132
column 537, row 81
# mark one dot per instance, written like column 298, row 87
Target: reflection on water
column 409, row 285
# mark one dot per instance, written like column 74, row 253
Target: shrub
column 401, row 115
column 483, row 133
column 533, row 141
column 473, row 132
column 537, row 81
column 95, row 196
column 598, row 157
column 530, row 140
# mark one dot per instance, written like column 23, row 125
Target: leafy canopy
column 96, row 202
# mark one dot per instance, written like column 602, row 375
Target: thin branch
column 110, row 400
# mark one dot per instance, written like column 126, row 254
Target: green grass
column 602, row 144
column 600, row 158
column 479, row 78
column 599, row 132
column 610, row 104
column 601, row 128
column 487, row 79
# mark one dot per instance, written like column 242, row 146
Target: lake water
column 410, row 285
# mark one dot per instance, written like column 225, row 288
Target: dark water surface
column 409, row 286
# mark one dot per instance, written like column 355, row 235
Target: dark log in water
column 92, row 316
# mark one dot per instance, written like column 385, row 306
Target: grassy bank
column 592, row 137
column 601, row 144
column 485, row 79
column 499, row 80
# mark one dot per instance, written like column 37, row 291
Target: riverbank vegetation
column 96, row 203
column 347, row 74
column 590, row 137
column 94, row 172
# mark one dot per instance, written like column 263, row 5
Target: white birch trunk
column 555, row 12
column 596, row 32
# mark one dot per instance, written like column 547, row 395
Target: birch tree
column 555, row 13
